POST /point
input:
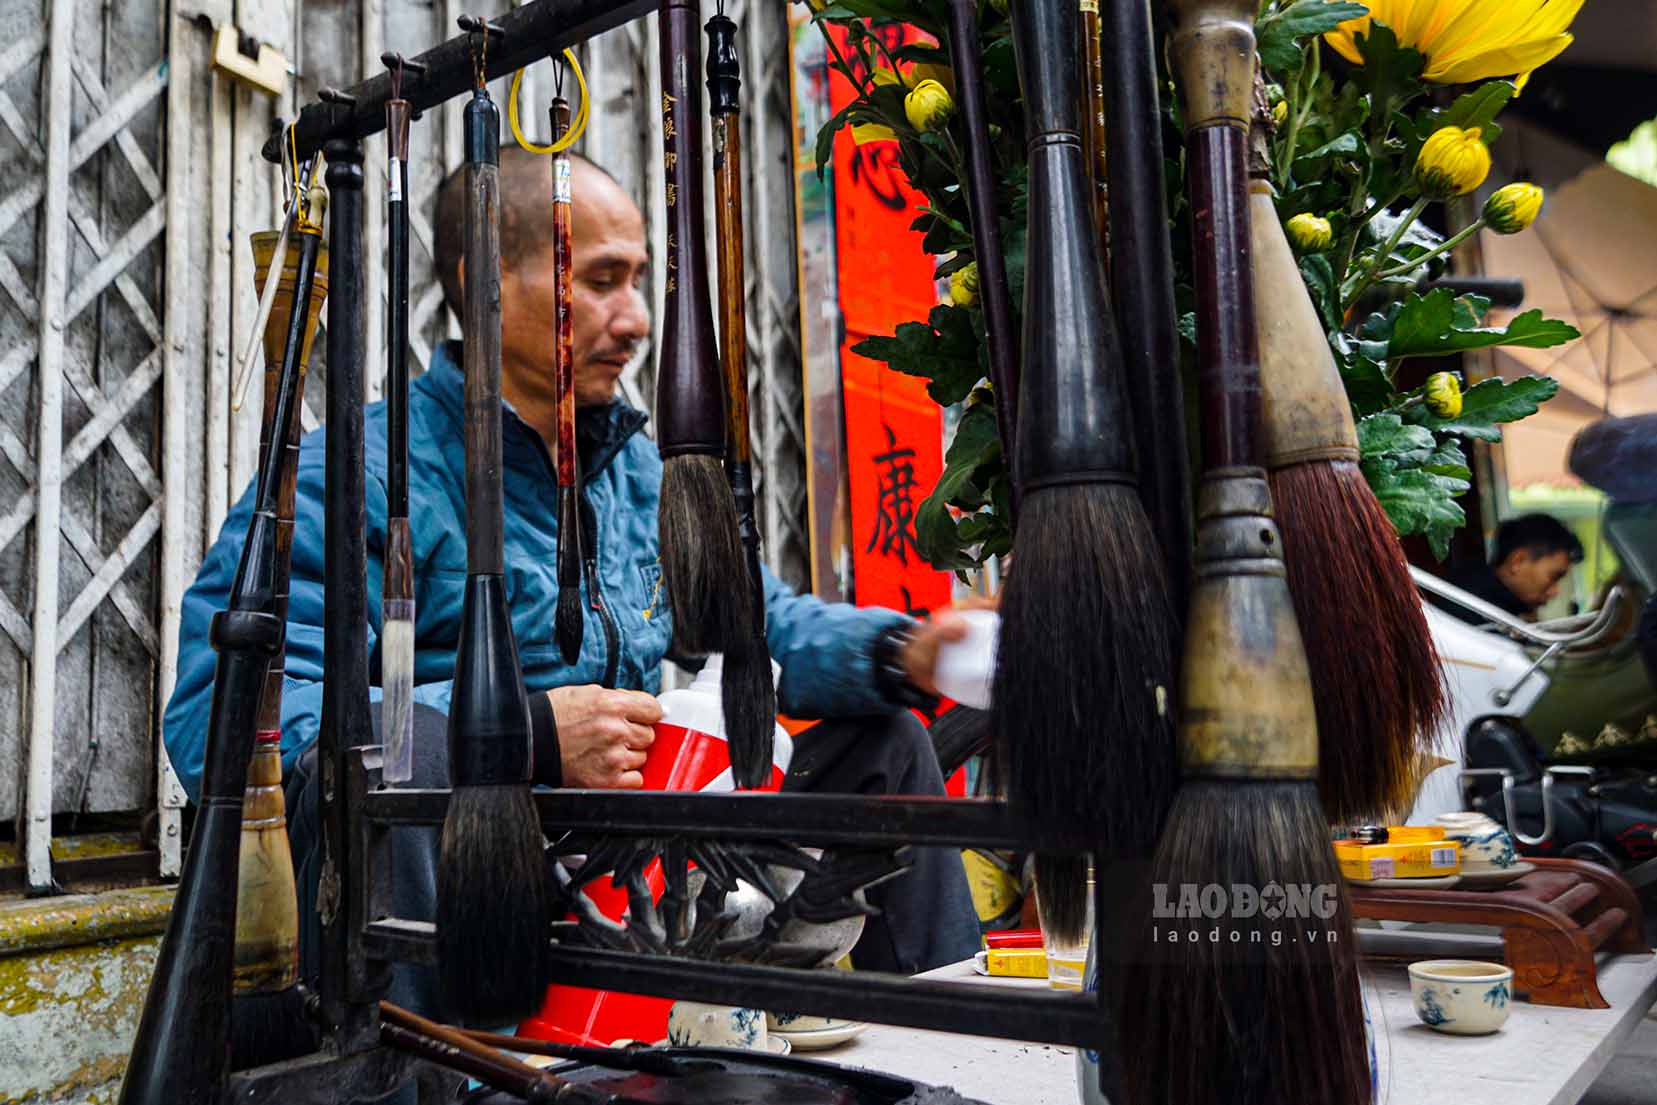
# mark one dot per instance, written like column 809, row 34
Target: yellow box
column 1017, row 962
column 1410, row 860
column 1414, row 834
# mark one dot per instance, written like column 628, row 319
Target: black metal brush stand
column 678, row 946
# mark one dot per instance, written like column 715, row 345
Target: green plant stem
column 851, row 74
column 1439, row 250
column 1369, row 275
column 1300, row 109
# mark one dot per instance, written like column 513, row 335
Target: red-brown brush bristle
column 1376, row 676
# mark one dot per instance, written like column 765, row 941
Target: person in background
column 1533, row 554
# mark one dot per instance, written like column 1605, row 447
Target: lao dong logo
column 1241, row 901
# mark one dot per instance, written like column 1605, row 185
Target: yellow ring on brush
column 577, row 125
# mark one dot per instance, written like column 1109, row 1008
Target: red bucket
column 681, row 759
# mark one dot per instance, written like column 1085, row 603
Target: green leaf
column 975, row 446
column 1368, row 388
column 1319, row 276
column 1390, row 74
column 825, row 136
column 1477, row 108
column 1344, row 145
column 1278, row 34
column 1387, row 435
column 1188, row 327
column 1418, row 501
column 1426, row 326
column 1448, row 460
column 1489, row 403
column 833, row 11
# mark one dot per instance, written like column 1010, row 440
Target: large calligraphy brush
column 397, row 589
column 703, row 560
column 570, row 621
column 748, row 696
column 1359, row 611
column 181, row 1051
column 1259, row 1006
column 491, row 878
column 1082, row 703
column 267, row 1015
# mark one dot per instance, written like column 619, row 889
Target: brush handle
column 569, row 521
column 397, row 113
column 690, row 404
column 482, row 326
column 1142, row 279
column 1072, row 419
column 1094, row 132
column 993, row 292
column 724, row 83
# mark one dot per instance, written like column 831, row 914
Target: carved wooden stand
column 1553, row 921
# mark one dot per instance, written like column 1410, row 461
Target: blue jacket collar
column 601, row 432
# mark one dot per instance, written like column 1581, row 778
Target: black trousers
column 927, row 917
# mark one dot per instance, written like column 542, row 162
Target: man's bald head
column 526, row 212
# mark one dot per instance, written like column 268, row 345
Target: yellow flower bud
column 1310, row 233
column 1452, row 162
column 1512, row 208
column 1280, row 112
column 963, row 285
column 1443, row 394
column 929, row 106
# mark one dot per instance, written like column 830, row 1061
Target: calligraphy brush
column 181, row 1050
column 999, row 328
column 1271, row 1017
column 570, row 618
column 397, row 589
column 491, row 878
column 1376, row 677
column 1081, row 698
column 267, row 1016
column 1095, row 143
column 703, row 560
column 748, row 695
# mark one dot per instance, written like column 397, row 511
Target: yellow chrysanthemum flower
column 1464, row 41
column 1443, row 394
column 1512, row 208
column 963, row 285
column 929, row 106
column 1310, row 233
column 1453, row 161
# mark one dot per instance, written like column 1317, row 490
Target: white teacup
column 1464, row 818
column 1461, row 996
column 694, row 1024
column 1483, row 846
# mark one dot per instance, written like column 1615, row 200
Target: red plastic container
column 690, row 753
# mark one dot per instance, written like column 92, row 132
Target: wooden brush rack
column 1553, row 921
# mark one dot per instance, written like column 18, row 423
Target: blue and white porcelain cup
column 1461, row 996
column 1483, row 847
column 694, row 1024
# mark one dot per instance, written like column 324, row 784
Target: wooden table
column 1543, row 1055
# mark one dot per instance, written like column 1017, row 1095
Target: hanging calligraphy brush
column 491, row 878
column 1259, row 1006
column 1094, row 141
column 703, row 561
column 1142, row 280
column 397, row 590
column 993, row 292
column 181, row 1051
column 267, row 1015
column 1082, row 694
column 748, row 695
column 1376, row 676
column 570, row 621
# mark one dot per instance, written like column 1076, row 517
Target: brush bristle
column 748, row 697
column 1082, row 705
column 492, row 935
column 702, row 556
column 1061, row 897
column 569, row 624
column 1380, row 704
column 269, row 1027
column 1251, row 1010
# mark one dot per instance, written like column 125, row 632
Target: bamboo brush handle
column 1072, row 420
column 482, row 326
column 1093, row 71
column 690, row 404
column 1212, row 45
column 993, row 293
column 563, row 275
column 397, row 145
column 724, row 85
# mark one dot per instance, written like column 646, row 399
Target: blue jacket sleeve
column 184, row 724
column 825, row 649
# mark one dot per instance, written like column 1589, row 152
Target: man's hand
column 603, row 735
column 920, row 655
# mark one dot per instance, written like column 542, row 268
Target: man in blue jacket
column 858, row 668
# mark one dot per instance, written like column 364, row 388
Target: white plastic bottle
column 696, row 709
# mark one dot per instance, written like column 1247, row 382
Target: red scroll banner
column 894, row 431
